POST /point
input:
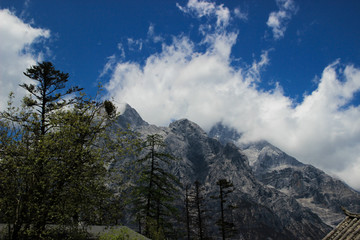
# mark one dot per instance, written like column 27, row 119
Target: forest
column 63, row 168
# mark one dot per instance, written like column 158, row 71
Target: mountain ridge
column 312, row 187
column 266, row 209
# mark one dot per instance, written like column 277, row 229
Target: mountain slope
column 310, row 186
column 262, row 212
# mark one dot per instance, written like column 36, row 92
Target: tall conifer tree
column 157, row 188
column 226, row 227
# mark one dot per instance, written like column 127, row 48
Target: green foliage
column 122, row 233
column 154, row 231
column 64, row 233
column 59, row 165
column 51, row 168
column 79, row 169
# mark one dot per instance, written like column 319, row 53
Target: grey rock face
column 263, row 211
column 311, row 187
column 224, row 134
column 130, row 117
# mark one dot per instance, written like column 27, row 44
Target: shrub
column 122, row 233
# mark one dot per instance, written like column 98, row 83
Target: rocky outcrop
column 311, row 187
column 262, row 211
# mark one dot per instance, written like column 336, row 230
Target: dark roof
column 348, row 229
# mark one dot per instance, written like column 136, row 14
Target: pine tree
column 199, row 203
column 196, row 212
column 157, row 189
column 47, row 94
column 226, row 227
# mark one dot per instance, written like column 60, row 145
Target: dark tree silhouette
column 197, row 211
column 47, row 94
column 225, row 188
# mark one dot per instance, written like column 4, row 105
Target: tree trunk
column 16, row 230
column 222, row 212
column 199, row 211
column 150, row 188
column 187, row 213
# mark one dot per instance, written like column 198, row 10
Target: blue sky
column 282, row 70
column 84, row 35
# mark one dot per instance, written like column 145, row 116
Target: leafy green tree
column 226, row 227
column 51, row 169
column 15, row 174
column 79, row 169
column 156, row 189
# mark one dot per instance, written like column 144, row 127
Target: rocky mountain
column 311, row 187
column 276, row 197
column 224, row 134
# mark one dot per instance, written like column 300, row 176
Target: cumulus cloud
column 204, row 86
column 16, row 53
column 278, row 21
column 327, row 125
column 180, row 83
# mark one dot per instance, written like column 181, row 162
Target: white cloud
column 208, row 9
column 121, row 49
column 278, row 21
column 16, row 53
column 109, row 66
column 253, row 73
column 180, row 82
column 151, row 34
column 135, row 44
column 240, row 14
column 201, row 8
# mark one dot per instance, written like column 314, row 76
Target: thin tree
column 225, row 188
column 199, row 204
column 195, row 207
column 157, row 188
column 187, row 209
